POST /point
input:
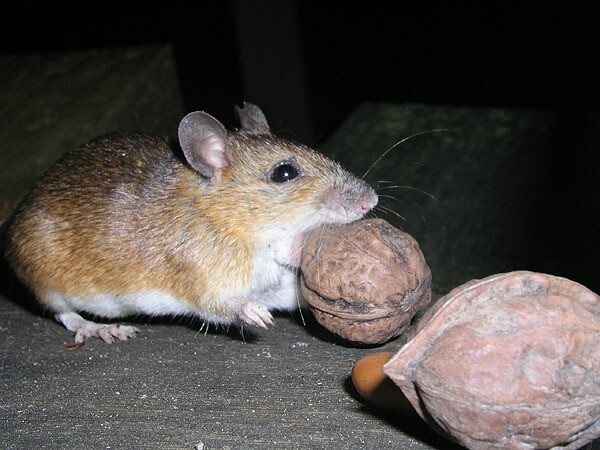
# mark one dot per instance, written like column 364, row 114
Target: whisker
column 411, row 162
column 388, row 210
column 298, row 292
column 399, row 143
column 433, row 197
column 408, row 200
column 242, row 332
column 403, row 201
column 201, row 328
column 324, row 231
column 383, row 181
column 389, row 196
column 297, row 270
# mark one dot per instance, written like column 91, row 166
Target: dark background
column 309, row 63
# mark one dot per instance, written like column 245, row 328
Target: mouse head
column 280, row 181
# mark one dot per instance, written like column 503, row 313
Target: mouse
column 209, row 225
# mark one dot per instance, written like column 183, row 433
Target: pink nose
column 367, row 205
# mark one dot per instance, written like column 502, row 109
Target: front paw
column 256, row 314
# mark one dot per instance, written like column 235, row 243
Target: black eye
column 284, row 172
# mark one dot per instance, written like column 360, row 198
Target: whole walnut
column 509, row 361
column 364, row 281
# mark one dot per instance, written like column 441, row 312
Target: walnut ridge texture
column 364, row 281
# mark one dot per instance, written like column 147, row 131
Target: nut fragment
column 364, row 281
column 376, row 387
column 509, row 361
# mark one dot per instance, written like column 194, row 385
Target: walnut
column 508, row 361
column 364, row 281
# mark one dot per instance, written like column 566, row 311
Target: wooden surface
column 176, row 387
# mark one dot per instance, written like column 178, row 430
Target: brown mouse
column 131, row 224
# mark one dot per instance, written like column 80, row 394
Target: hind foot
column 85, row 328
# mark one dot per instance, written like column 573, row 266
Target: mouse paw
column 257, row 314
column 85, row 328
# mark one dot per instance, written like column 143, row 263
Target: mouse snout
column 352, row 201
column 365, row 197
column 366, row 204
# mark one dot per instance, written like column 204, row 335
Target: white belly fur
column 282, row 295
column 152, row 303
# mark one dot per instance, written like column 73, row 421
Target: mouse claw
column 109, row 333
column 257, row 314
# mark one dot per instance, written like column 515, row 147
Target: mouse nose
column 368, row 203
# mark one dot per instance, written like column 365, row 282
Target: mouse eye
column 284, row 171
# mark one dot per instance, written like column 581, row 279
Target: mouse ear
column 203, row 140
column 252, row 119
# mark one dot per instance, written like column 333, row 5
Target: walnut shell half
column 509, row 361
column 364, row 281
